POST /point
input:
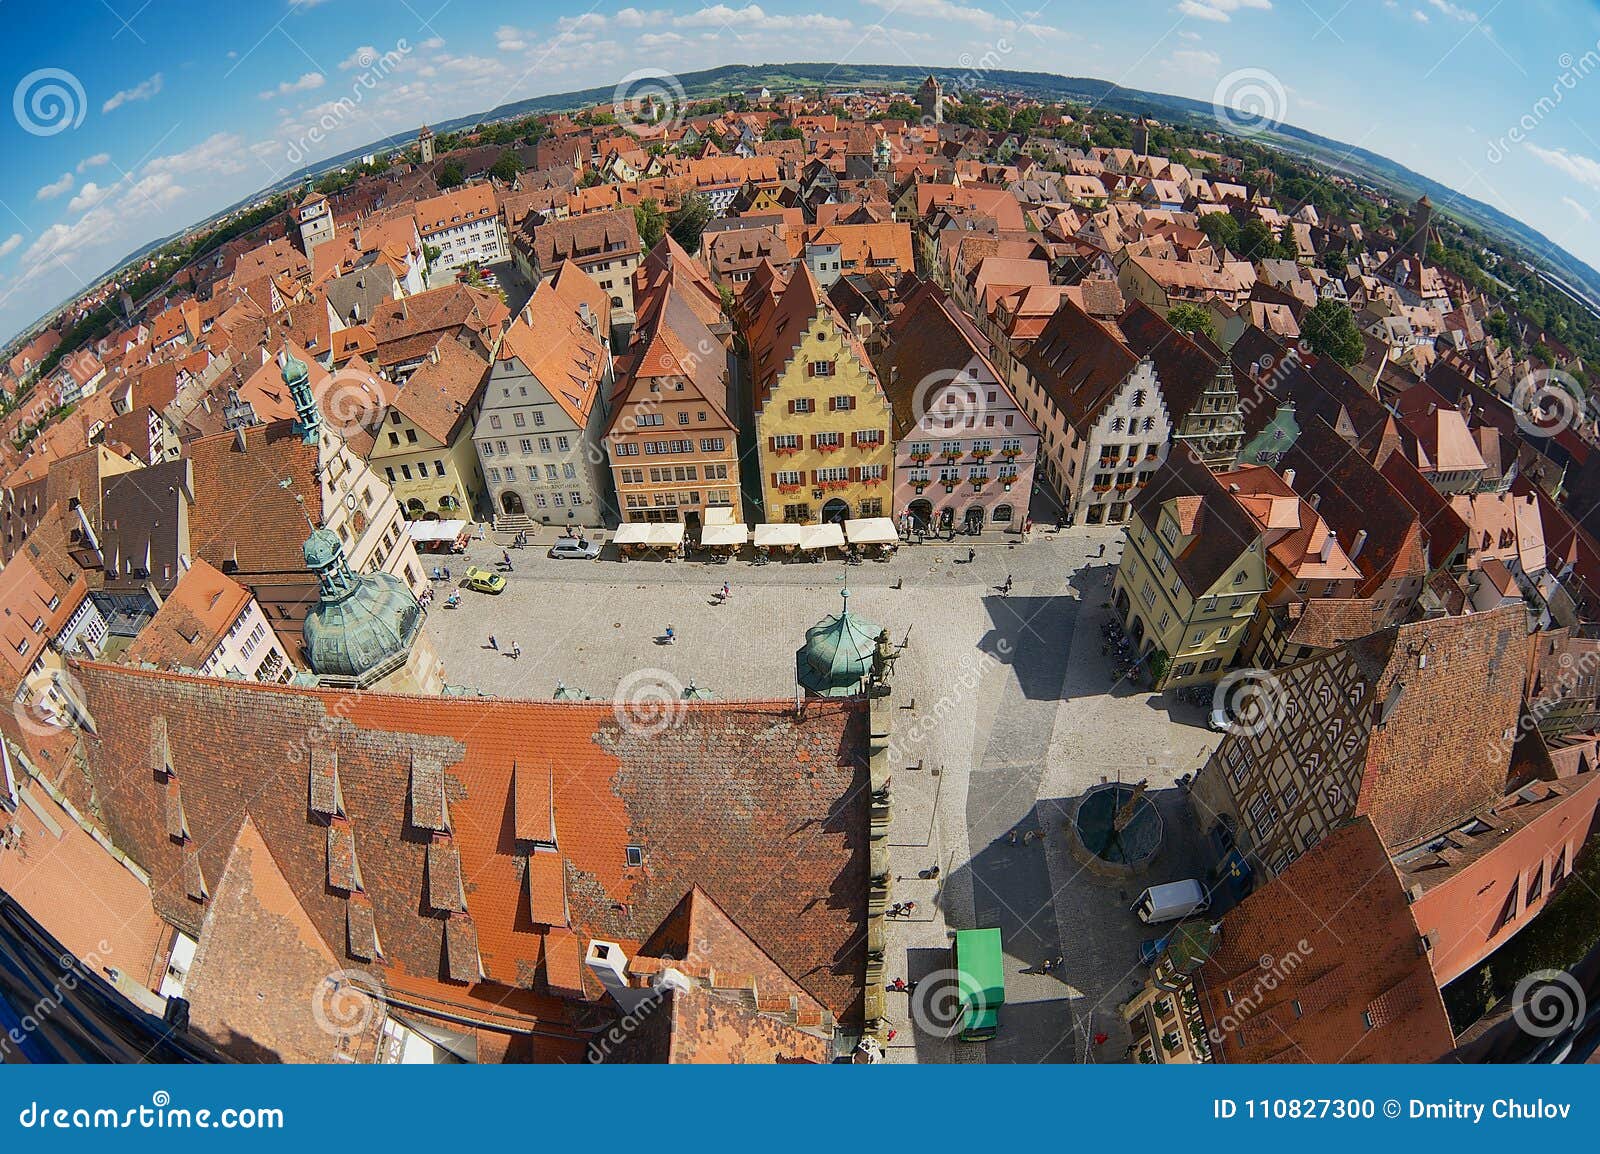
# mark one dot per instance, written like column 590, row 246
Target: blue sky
column 168, row 110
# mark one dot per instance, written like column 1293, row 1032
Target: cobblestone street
column 1006, row 714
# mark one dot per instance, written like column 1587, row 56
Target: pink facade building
column 964, row 449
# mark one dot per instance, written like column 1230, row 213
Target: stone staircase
column 514, row 523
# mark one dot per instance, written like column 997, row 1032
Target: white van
column 1169, row 902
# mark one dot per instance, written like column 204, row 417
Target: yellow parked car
column 484, row 581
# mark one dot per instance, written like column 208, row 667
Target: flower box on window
column 1011, row 454
column 787, row 451
column 829, row 448
column 980, row 454
column 790, row 488
column 919, row 457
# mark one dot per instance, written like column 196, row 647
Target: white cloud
column 1454, row 11
column 306, row 83
column 10, row 245
column 1420, row 16
column 1219, row 11
column 94, row 161
column 947, row 11
column 509, row 39
column 55, row 188
column 1581, row 211
column 88, row 196
column 1194, row 60
column 361, row 58
column 1583, row 169
column 433, row 42
column 635, row 18
column 141, row 91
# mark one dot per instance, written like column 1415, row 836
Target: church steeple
column 308, row 418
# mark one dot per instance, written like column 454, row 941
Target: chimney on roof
column 610, row 965
column 1327, row 548
column 1288, row 477
column 1359, row 544
column 1316, row 500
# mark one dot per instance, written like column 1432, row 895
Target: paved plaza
column 1006, row 714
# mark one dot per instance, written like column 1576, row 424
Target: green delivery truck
column 980, row 969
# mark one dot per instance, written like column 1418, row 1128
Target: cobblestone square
column 1006, row 713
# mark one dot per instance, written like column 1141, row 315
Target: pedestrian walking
column 516, row 651
column 1011, row 838
column 1005, row 590
column 971, row 553
column 727, row 591
column 493, row 644
column 1046, row 966
column 670, row 635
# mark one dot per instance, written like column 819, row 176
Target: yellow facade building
column 822, row 419
column 1192, row 574
column 424, row 444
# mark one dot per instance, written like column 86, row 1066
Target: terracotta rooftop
column 729, row 785
column 1324, row 965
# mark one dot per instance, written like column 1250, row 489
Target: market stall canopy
column 778, row 536
column 670, row 533
column 724, row 535
column 871, row 531
column 423, row 532
column 632, row 533
column 829, row 536
column 719, row 515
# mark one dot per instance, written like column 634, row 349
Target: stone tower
column 1141, row 137
column 1421, row 234
column 931, row 97
column 316, row 222
column 425, row 144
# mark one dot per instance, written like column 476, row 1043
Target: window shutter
column 850, row 402
column 774, row 480
column 791, row 406
column 816, row 476
column 855, row 472
column 772, row 442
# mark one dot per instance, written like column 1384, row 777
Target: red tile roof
column 727, row 786
column 1324, row 964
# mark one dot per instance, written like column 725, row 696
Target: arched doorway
column 835, row 510
column 1137, row 632
column 973, row 521
column 1001, row 515
column 947, row 518
column 921, row 515
column 1122, row 603
column 511, row 503
column 415, row 509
